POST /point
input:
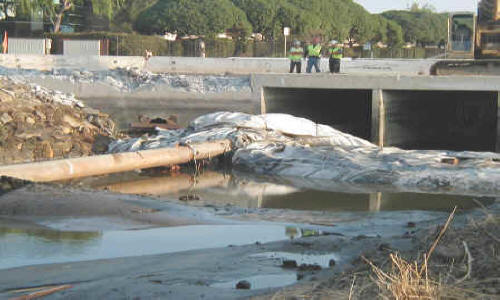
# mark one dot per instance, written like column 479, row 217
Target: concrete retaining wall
column 195, row 65
column 416, row 112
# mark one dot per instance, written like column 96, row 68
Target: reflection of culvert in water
column 261, row 281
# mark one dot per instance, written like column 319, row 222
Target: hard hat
column 333, row 42
column 296, row 43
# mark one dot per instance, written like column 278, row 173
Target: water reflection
column 48, row 235
column 24, row 247
column 212, row 188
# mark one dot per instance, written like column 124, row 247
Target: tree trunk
column 60, row 14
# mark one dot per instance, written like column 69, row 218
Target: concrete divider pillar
column 498, row 123
column 378, row 118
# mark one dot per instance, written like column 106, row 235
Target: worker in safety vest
column 296, row 53
column 336, row 54
column 314, row 54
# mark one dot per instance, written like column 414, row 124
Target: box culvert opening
column 441, row 120
column 343, row 109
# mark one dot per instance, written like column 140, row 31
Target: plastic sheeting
column 283, row 145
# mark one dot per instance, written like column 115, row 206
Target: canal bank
column 411, row 112
column 107, row 245
column 75, row 234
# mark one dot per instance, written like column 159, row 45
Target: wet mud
column 116, row 245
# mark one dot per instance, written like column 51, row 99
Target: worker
column 336, row 54
column 296, row 53
column 314, row 55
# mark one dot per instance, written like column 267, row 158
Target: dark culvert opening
column 345, row 110
column 441, row 120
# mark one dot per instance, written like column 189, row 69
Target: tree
column 332, row 19
column 417, row 7
column 192, row 17
column 54, row 12
column 422, row 27
column 262, row 14
column 486, row 10
column 125, row 17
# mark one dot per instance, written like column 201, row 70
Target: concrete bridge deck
column 412, row 112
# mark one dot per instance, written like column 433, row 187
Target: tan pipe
column 114, row 163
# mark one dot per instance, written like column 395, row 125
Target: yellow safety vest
column 314, row 50
column 336, row 53
column 296, row 54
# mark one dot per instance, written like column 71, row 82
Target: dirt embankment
column 38, row 124
column 464, row 265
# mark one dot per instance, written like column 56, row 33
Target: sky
column 377, row 6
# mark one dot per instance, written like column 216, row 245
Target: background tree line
column 331, row 19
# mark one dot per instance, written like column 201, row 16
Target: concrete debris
column 131, row 79
column 286, row 146
column 40, row 124
column 52, row 96
column 5, row 118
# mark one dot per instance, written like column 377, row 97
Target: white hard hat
column 333, row 42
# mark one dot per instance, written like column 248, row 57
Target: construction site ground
column 111, row 243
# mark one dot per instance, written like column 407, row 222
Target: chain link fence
column 121, row 44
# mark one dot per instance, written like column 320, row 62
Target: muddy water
column 125, row 111
column 33, row 246
column 218, row 189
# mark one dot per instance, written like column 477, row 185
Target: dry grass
column 476, row 275
column 410, row 280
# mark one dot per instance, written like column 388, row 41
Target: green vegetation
column 342, row 20
column 420, row 25
column 192, row 17
column 487, row 10
column 55, row 11
column 331, row 19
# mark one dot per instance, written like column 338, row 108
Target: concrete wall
column 196, row 65
column 416, row 112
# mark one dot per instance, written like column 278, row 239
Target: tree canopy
column 54, row 11
column 192, row 17
column 421, row 26
column 332, row 19
column 342, row 20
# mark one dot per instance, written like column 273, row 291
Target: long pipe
column 114, row 163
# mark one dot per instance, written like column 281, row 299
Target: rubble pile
column 128, row 80
column 39, row 124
